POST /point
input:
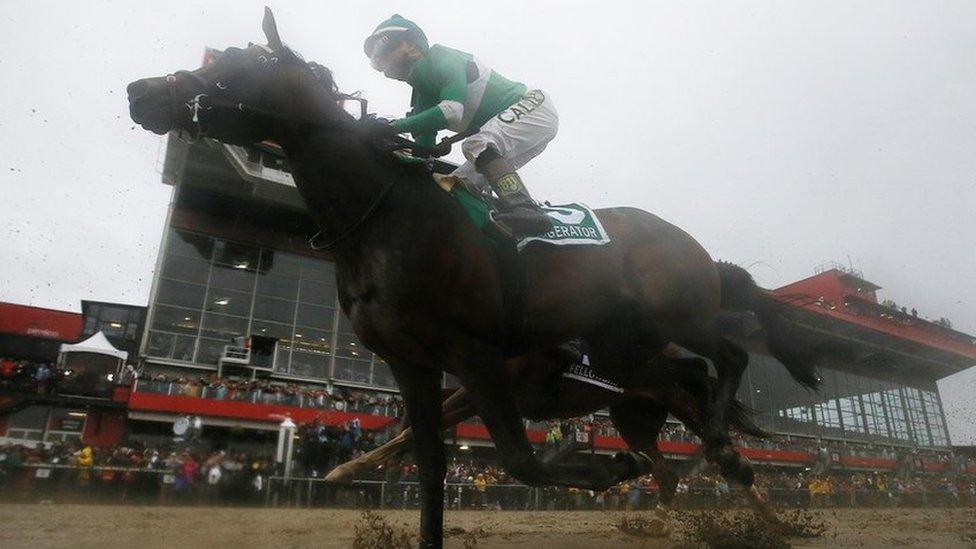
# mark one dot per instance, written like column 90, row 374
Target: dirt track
column 181, row 528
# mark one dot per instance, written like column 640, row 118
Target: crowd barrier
column 35, row 483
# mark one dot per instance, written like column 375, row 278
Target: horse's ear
column 271, row 29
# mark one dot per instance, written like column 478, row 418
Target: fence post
column 383, row 495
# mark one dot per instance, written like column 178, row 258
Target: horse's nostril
column 137, row 89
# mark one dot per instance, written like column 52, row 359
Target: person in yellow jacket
column 85, row 459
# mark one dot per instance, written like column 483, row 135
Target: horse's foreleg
column 422, row 397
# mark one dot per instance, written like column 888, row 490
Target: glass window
column 237, row 256
column 897, row 421
column 160, row 344
column 316, row 317
column 352, row 370
column 280, row 263
column 313, row 341
column 181, row 294
column 186, row 268
column 176, row 320
column 271, row 329
column 229, row 302
column 275, row 310
column 230, row 278
column 318, row 293
column 282, row 287
column 348, row 346
column 223, row 327
column 382, row 375
column 309, row 364
column 210, row 350
column 183, row 348
column 850, row 414
column 318, row 269
column 189, row 244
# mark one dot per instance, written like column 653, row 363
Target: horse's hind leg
column 730, row 362
column 639, row 422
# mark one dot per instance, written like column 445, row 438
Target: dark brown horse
column 424, row 289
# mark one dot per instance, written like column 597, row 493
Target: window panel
column 182, row 294
column 185, row 268
column 223, row 327
column 309, row 364
column 183, row 348
column 176, row 320
column 281, row 287
column 318, row 293
column 210, row 350
column 280, row 263
column 160, row 345
column 352, row 370
column 271, row 329
column 313, row 341
column 318, row 270
column 237, row 256
column 316, row 317
column 382, row 375
column 228, row 302
column 230, row 278
column 189, row 245
column 347, row 345
column 275, row 310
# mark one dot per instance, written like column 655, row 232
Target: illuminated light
column 464, row 447
column 353, row 343
column 223, row 301
column 321, row 339
column 110, row 377
column 77, row 414
column 186, row 318
column 264, row 330
column 354, row 353
column 115, row 324
column 298, row 335
column 241, row 265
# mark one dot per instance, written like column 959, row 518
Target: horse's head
column 238, row 97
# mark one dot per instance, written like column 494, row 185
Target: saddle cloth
column 584, row 373
column 573, row 224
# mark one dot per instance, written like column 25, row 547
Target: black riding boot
column 517, row 211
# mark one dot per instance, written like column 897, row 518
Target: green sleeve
column 449, row 74
column 426, row 121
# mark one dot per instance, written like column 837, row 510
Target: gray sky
column 779, row 134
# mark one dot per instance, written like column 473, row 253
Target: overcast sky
column 781, row 135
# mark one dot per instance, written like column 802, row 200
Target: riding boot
column 517, row 211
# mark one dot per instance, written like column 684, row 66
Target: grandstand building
column 234, row 265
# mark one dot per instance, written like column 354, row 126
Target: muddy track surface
column 41, row 526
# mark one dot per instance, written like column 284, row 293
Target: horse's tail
column 741, row 293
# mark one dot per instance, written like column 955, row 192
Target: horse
column 427, row 291
column 639, row 415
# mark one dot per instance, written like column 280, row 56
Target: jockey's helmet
column 388, row 35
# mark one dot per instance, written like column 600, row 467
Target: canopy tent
column 97, row 344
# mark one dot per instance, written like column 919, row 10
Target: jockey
column 510, row 123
